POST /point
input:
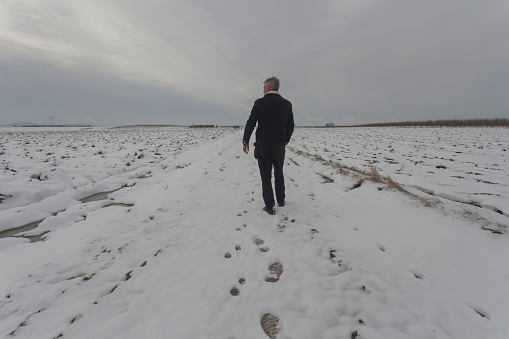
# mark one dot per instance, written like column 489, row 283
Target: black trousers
column 271, row 155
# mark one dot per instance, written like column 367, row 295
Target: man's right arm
column 250, row 125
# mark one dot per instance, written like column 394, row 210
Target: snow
column 181, row 248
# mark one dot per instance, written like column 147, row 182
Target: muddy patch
column 35, row 238
column 98, row 196
column 13, row 232
column 17, row 230
column 119, row 204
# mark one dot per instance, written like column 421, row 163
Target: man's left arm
column 248, row 130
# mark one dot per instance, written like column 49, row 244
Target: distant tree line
column 203, row 126
column 442, row 123
column 136, row 126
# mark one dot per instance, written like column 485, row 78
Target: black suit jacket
column 275, row 120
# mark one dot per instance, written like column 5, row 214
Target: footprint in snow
column 276, row 270
column 270, row 325
column 234, row 291
column 342, row 267
column 259, row 242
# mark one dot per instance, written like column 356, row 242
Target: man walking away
column 275, row 127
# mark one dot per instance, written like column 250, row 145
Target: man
column 275, row 127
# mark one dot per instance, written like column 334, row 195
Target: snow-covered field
column 182, row 249
column 469, row 165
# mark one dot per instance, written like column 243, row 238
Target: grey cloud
column 338, row 61
column 36, row 91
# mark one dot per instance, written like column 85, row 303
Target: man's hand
column 245, row 148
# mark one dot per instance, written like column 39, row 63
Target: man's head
column 271, row 84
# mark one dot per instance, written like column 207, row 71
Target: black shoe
column 281, row 204
column 271, row 211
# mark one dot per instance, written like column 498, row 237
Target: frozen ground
column 181, row 248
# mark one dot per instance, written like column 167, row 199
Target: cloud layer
column 189, row 62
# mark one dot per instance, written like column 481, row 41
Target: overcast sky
column 120, row 62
